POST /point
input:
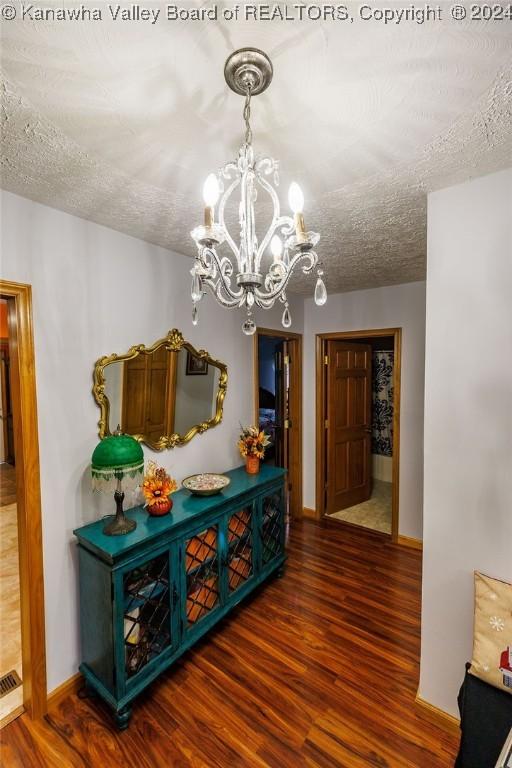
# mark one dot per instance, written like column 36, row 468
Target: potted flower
column 157, row 488
column 252, row 444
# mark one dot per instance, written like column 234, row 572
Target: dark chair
column 485, row 722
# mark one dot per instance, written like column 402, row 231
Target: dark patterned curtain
column 382, row 393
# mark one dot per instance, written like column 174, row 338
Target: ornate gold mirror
column 162, row 395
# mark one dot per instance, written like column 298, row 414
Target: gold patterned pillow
column 492, row 640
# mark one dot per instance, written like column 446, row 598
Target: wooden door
column 149, row 394
column 349, row 398
column 133, row 420
column 156, row 394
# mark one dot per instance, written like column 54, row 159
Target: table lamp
column 117, row 465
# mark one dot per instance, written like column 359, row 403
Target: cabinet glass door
column 147, row 626
column 239, row 561
column 202, row 575
column 272, row 526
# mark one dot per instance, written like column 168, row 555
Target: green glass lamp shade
column 117, row 465
column 117, row 457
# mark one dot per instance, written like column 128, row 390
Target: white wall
column 397, row 306
column 468, row 419
column 96, row 291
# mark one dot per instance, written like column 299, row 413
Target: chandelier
column 250, row 276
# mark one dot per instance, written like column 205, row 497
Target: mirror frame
column 173, row 342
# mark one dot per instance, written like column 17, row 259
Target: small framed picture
column 196, row 366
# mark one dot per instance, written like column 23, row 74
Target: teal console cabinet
column 147, row 597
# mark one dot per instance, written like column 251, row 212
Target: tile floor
column 374, row 513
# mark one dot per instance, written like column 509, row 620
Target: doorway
column 11, row 675
column 278, row 405
column 358, row 429
column 22, row 592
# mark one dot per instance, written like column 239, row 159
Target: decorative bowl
column 206, row 484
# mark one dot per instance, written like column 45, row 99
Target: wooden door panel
column 341, row 412
column 358, row 415
column 343, row 359
column 357, row 463
column 134, row 389
column 341, row 467
column 156, row 407
column 348, row 479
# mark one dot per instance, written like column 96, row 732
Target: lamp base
column 119, row 525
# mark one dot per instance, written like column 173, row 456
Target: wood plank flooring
column 7, row 484
column 319, row 670
column 10, row 616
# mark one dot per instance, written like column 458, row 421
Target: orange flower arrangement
column 252, row 442
column 157, row 485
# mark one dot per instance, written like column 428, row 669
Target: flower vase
column 160, row 507
column 252, row 465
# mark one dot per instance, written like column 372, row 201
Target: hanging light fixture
column 249, row 275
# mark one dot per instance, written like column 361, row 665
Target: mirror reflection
column 162, row 395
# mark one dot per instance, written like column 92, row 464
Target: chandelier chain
column 247, row 116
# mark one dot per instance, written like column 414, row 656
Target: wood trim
column 437, row 716
column 277, row 332
column 407, row 541
column 11, row 716
column 309, row 513
column 67, row 688
column 321, row 344
column 28, row 492
column 295, row 470
column 395, row 466
column 320, row 386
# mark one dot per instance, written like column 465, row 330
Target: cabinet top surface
column 185, row 508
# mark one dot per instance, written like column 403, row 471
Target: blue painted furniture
column 147, row 597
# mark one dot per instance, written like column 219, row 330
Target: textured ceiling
column 120, row 122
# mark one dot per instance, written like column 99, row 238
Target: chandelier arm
column 308, row 256
column 225, row 197
column 277, row 220
column 285, row 223
column 219, row 290
column 219, row 284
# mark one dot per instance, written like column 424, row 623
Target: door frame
column 295, row 460
column 28, row 494
column 321, row 346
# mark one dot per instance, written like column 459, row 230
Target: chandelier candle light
column 244, row 281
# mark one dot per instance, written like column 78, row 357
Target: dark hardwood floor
column 320, row 668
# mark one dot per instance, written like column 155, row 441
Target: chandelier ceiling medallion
column 238, row 279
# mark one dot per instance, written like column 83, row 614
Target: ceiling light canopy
column 250, row 275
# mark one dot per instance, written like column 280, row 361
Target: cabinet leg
column 123, row 718
column 280, row 572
